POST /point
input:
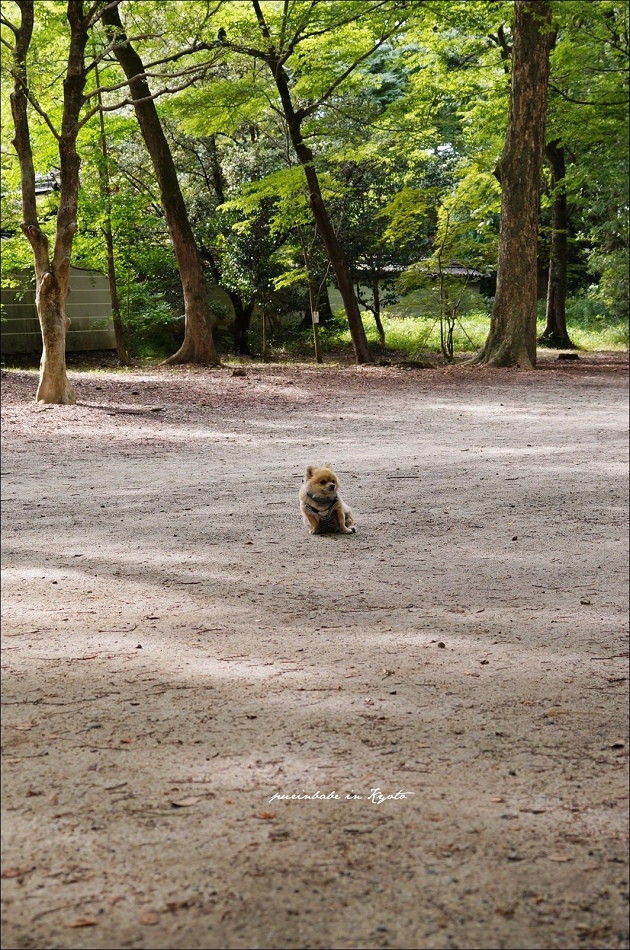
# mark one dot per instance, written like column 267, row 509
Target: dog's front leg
column 311, row 522
column 341, row 517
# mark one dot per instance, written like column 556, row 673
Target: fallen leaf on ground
column 149, row 917
column 18, row 872
column 185, row 802
column 265, row 815
column 83, row 922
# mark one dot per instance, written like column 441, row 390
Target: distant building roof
column 454, row 269
column 45, row 184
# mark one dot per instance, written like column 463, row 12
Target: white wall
column 89, row 307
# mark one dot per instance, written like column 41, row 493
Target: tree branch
column 285, row 18
column 171, row 58
column 5, row 22
column 35, row 104
column 167, row 90
column 585, row 102
column 296, row 36
column 22, row 139
column 196, row 71
column 97, row 9
column 339, row 24
column 114, row 44
column 264, row 29
column 340, row 79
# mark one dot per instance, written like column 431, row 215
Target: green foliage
column 588, row 115
column 283, row 192
column 405, row 142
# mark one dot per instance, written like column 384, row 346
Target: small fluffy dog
column 323, row 510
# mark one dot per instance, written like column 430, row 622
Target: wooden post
column 264, row 335
column 313, row 298
column 318, row 349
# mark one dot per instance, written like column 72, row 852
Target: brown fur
column 326, row 512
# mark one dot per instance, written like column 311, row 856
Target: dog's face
column 321, row 481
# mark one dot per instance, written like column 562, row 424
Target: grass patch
column 590, row 326
column 415, row 335
column 602, row 338
column 409, row 337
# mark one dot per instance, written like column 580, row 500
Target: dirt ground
column 446, row 690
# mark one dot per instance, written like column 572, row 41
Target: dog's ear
column 309, row 471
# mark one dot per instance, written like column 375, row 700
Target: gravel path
column 221, row 732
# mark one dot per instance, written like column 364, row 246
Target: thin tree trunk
column 51, row 276
column 106, row 194
column 376, row 293
column 198, row 345
column 121, row 349
column 512, row 337
column 555, row 332
column 335, row 255
column 320, row 212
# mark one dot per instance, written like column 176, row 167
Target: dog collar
column 322, row 501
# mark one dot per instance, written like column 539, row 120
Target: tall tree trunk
column 51, row 276
column 50, row 299
column 320, row 212
column 512, row 337
column 198, row 345
column 242, row 321
column 555, row 332
column 334, row 253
